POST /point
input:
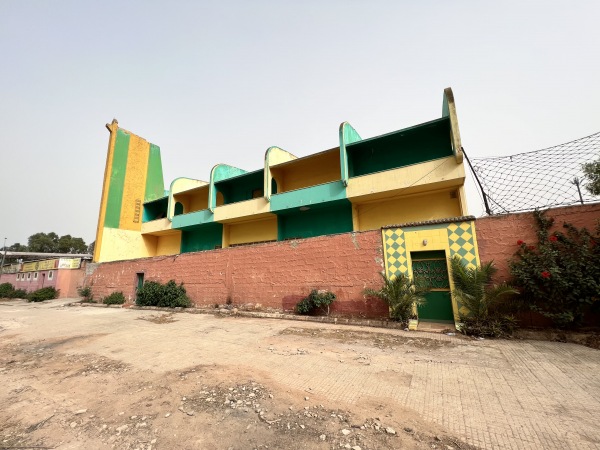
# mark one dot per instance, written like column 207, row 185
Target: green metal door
column 430, row 269
column 140, row 281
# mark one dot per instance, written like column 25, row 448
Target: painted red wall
column 31, row 284
column 497, row 236
column 66, row 280
column 275, row 275
column 279, row 274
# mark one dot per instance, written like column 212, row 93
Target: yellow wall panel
column 185, row 202
column 112, row 128
column 432, row 175
column 438, row 205
column 156, row 227
column 199, row 199
column 250, row 209
column 318, row 169
column 185, row 184
column 135, row 183
column 187, row 191
column 169, row 244
column 126, row 244
column 255, row 231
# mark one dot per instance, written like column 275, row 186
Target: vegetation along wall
column 497, row 236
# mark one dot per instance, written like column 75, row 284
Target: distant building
column 412, row 177
column 64, row 274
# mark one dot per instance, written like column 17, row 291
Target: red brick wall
column 276, row 275
column 279, row 274
column 497, row 236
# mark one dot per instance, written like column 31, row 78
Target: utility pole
column 3, row 258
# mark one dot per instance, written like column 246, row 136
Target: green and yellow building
column 407, row 183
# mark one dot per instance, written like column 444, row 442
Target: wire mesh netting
column 539, row 179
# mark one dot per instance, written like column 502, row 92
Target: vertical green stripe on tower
column 117, row 180
column 155, row 187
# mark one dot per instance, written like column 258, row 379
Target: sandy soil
column 55, row 396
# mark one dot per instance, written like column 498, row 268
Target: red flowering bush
column 560, row 277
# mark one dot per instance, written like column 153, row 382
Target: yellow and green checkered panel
column 460, row 237
column 461, row 242
column 395, row 252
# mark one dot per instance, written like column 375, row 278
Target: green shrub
column 486, row 302
column 560, row 276
column 401, row 294
column 148, row 294
column 169, row 295
column 86, row 294
column 47, row 293
column 490, row 326
column 316, row 302
column 6, row 290
column 116, row 298
column 19, row 293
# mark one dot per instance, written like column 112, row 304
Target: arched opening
column 178, row 208
column 273, row 186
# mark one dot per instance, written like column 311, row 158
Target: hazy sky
column 221, row 81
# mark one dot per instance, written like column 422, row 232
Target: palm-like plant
column 473, row 287
column 400, row 293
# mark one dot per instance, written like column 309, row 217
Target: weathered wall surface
column 65, row 280
column 275, row 275
column 497, row 236
column 31, row 284
column 279, row 274
column 68, row 281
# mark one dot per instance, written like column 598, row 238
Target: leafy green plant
column 592, row 172
column 6, row 290
column 491, row 326
column 559, row 277
column 149, row 294
column 19, row 293
column 47, row 293
column 317, row 301
column 401, row 294
column 86, row 294
column 474, row 290
column 169, row 295
column 116, row 298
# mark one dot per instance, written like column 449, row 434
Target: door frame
column 441, row 256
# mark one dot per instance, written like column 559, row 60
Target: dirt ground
column 54, row 396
